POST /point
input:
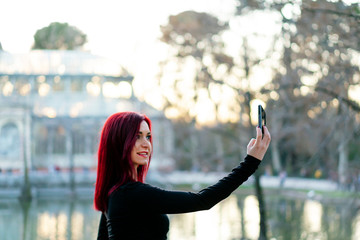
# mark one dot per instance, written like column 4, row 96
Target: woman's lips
column 143, row 154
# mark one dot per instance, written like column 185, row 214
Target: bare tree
column 197, row 46
column 311, row 86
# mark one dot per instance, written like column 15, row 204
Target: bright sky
column 121, row 30
column 124, row 31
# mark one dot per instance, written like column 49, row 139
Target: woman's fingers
column 267, row 135
column 251, row 143
column 258, row 147
column 258, row 134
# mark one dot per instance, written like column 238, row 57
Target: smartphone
column 262, row 118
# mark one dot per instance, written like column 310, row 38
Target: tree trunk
column 219, row 153
column 25, row 206
column 194, row 149
column 275, row 155
column 70, row 220
column 343, row 163
column 343, row 171
column 262, row 208
column 241, row 207
column 258, row 188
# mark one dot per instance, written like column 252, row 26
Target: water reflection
column 235, row 218
column 312, row 216
column 356, row 227
column 51, row 220
column 251, row 217
column 52, row 226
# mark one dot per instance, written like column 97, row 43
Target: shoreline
column 316, row 189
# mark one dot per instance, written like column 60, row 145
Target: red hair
column 115, row 166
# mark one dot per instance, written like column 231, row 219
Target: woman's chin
column 143, row 162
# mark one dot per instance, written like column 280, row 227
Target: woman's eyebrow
column 148, row 133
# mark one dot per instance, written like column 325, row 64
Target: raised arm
column 146, row 198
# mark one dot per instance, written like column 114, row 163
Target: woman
column 132, row 209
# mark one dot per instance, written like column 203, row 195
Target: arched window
column 41, row 140
column 10, row 142
column 59, row 140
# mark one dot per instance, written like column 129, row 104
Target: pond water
column 237, row 217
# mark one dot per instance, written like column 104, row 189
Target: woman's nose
column 145, row 143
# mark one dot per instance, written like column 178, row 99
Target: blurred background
column 198, row 69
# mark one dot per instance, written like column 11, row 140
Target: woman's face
column 141, row 151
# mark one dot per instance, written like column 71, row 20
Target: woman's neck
column 135, row 175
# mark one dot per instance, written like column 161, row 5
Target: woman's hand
column 258, row 147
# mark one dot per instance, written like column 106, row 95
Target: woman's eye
column 148, row 137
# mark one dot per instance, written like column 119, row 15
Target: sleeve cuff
column 252, row 160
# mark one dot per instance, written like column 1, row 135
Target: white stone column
column 27, row 139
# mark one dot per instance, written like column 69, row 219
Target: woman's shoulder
column 129, row 186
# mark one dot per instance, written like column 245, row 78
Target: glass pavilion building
column 53, row 105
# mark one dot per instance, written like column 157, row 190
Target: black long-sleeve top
column 137, row 210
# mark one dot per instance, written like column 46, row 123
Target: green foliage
column 59, row 36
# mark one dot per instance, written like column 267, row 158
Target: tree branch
column 330, row 11
column 352, row 104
